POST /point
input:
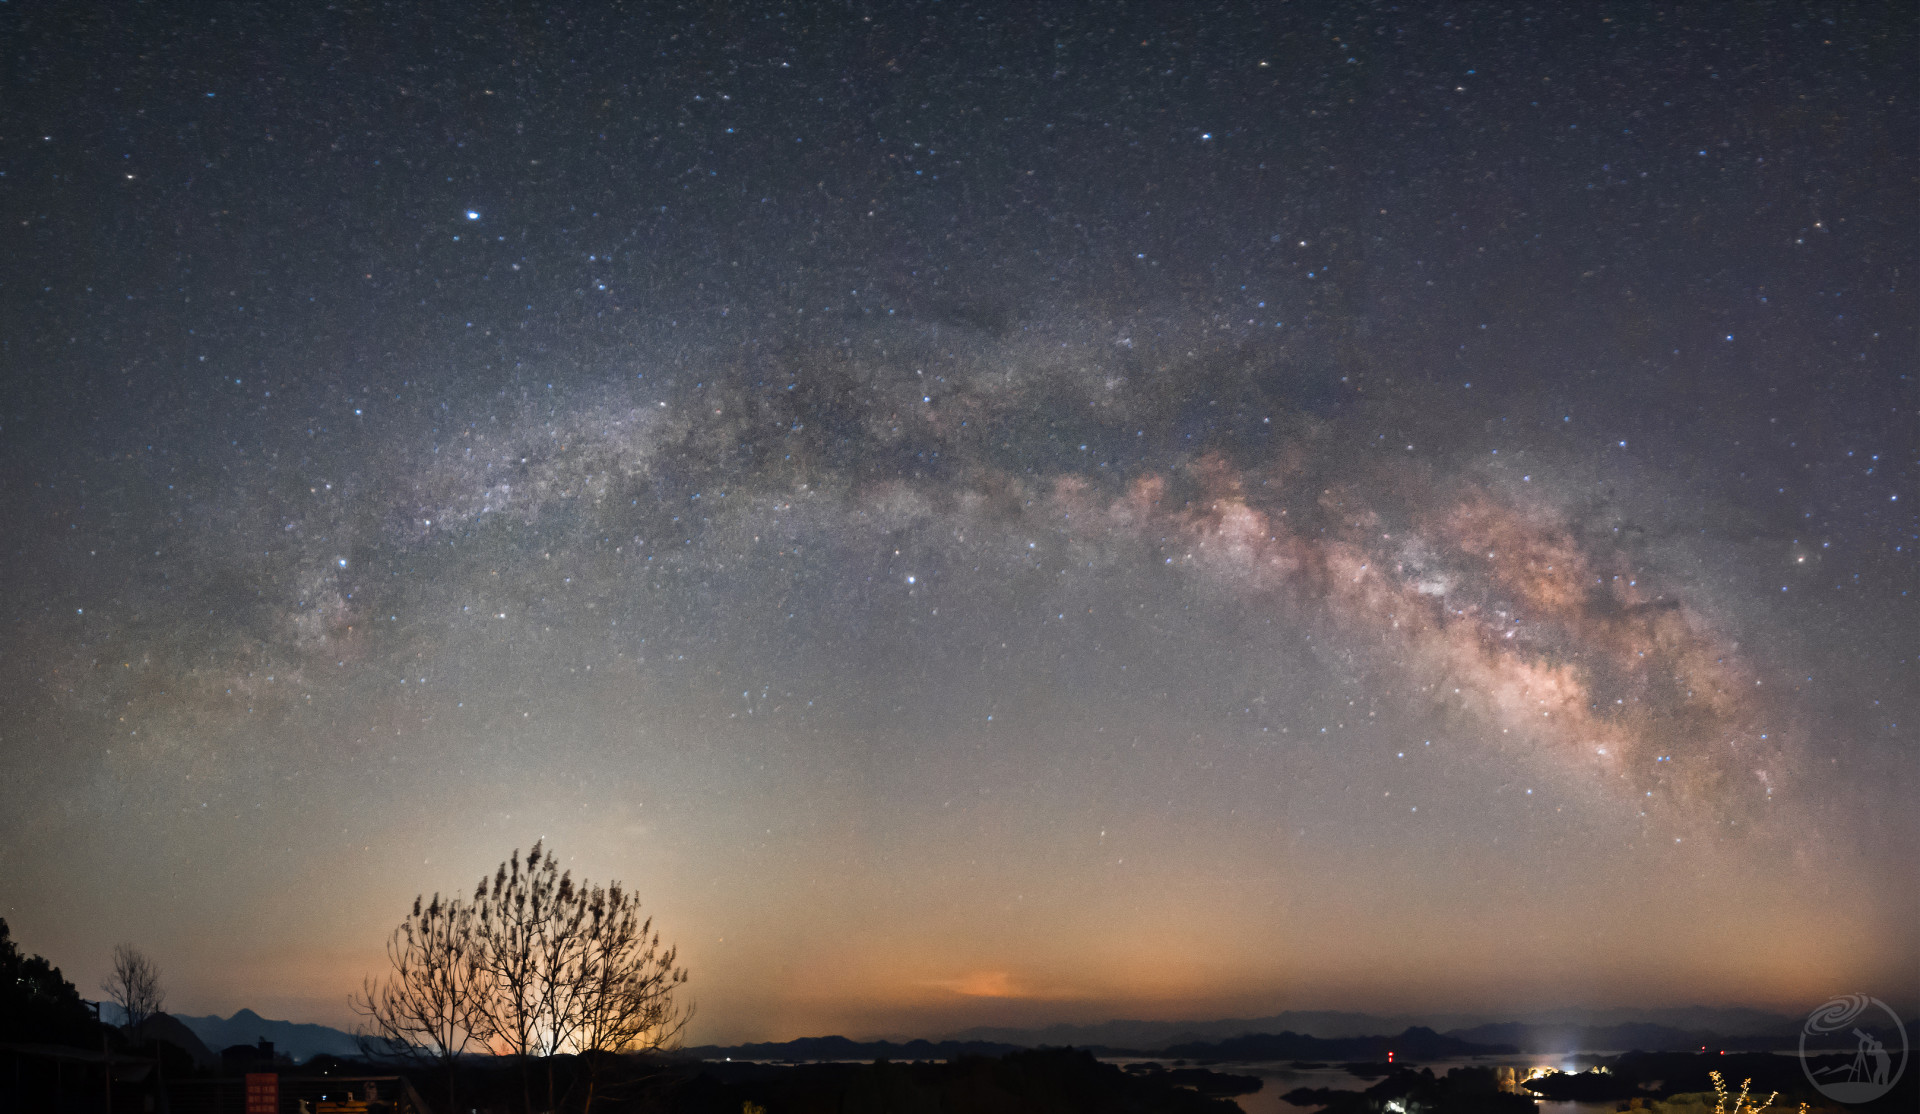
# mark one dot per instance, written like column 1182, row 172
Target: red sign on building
column 263, row 1093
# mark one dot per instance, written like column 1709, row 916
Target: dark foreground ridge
column 1025, row 1081
column 1628, row 1081
column 1460, row 1091
column 1029, row 1081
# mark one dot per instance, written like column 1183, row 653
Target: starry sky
column 978, row 513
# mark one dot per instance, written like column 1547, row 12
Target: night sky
column 979, row 514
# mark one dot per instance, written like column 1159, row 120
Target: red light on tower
column 1389, row 1056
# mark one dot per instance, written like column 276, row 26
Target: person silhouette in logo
column 1882, row 1063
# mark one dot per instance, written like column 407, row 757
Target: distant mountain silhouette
column 1643, row 1036
column 1538, row 1031
column 841, row 1048
column 1160, row 1034
column 298, row 1040
column 1416, row 1043
column 1708, row 1019
column 165, row 1027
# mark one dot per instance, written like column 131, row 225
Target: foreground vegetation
column 533, row 966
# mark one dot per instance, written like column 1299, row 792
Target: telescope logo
column 1844, row 1049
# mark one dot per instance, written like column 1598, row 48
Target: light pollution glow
column 893, row 748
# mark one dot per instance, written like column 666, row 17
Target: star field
column 1376, row 508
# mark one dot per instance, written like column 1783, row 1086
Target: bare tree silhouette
column 134, row 985
column 531, row 967
column 571, row 969
column 516, row 933
column 427, row 1008
column 626, row 983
